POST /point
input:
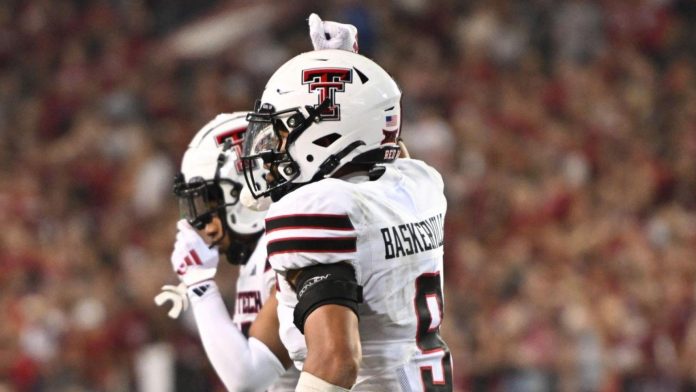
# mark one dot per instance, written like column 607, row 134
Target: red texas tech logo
column 236, row 135
column 328, row 81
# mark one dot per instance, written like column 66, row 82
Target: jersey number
column 436, row 367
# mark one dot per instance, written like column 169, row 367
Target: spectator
column 564, row 130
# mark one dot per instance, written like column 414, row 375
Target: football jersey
column 255, row 281
column 391, row 231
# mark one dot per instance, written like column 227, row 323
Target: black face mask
column 199, row 200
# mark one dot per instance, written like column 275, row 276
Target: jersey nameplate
column 411, row 238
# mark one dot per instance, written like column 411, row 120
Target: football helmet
column 319, row 112
column 211, row 181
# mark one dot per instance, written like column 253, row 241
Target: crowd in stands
column 565, row 132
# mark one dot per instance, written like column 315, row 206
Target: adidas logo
column 190, row 259
column 200, row 290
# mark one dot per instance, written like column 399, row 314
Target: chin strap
column 331, row 163
column 379, row 155
column 300, row 124
column 327, row 167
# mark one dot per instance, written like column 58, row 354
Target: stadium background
column 565, row 131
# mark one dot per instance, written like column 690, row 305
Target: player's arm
column 242, row 364
column 328, row 296
column 265, row 329
column 333, row 345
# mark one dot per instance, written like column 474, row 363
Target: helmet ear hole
column 233, row 218
column 310, row 158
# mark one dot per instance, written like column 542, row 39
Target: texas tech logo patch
column 236, row 137
column 328, row 81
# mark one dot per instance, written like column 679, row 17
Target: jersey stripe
column 309, row 221
column 312, row 244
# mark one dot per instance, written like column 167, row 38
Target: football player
column 245, row 350
column 355, row 235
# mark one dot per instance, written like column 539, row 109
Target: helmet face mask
column 200, row 200
column 320, row 111
column 267, row 135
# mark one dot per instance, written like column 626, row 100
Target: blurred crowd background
column 565, row 132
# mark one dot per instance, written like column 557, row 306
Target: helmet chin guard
column 319, row 112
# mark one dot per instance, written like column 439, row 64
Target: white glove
column 193, row 261
column 332, row 35
column 177, row 296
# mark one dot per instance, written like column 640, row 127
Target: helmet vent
column 362, row 76
column 327, row 140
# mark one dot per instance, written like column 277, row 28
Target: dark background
column 565, row 132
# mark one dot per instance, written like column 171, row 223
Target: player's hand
column 192, row 260
column 332, row 35
column 177, row 296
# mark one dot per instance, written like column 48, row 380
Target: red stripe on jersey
column 312, row 245
column 310, row 215
column 309, row 221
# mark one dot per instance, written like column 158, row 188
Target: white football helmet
column 338, row 107
column 211, row 178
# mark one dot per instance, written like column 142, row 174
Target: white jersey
column 256, row 279
column 391, row 231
